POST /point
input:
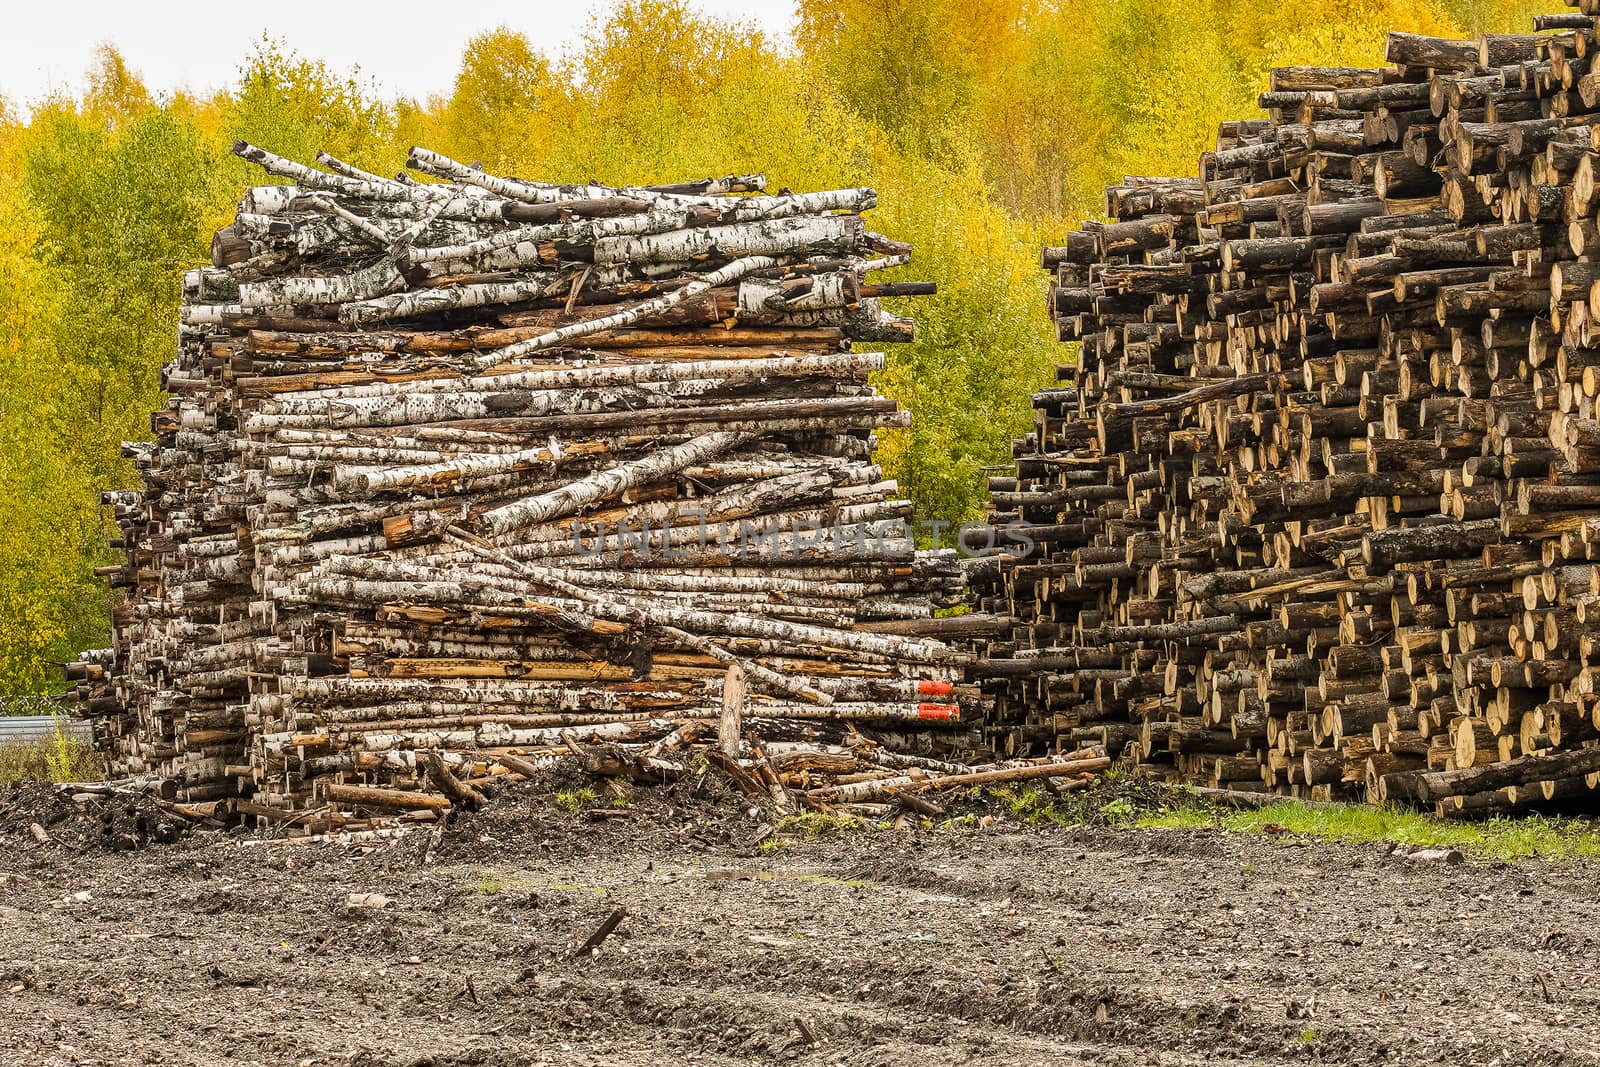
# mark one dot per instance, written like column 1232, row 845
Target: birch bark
column 835, row 365
column 377, row 307
column 629, row 613
column 730, row 273
column 607, row 484
column 812, row 234
column 371, row 281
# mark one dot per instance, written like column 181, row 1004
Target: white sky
column 408, row 48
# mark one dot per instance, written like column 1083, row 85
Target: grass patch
column 1116, row 797
column 1517, row 838
column 576, row 799
column 1032, row 804
column 811, row 825
column 58, row 758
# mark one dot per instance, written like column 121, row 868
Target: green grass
column 1032, row 804
column 575, row 799
column 810, row 825
column 1500, row 839
column 1114, row 798
column 59, row 758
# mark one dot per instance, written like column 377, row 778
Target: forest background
column 988, row 128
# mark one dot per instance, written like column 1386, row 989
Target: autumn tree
column 495, row 102
column 299, row 107
column 914, row 67
column 108, row 195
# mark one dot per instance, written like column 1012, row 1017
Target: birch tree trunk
column 373, row 308
column 633, row 614
column 775, row 237
column 730, row 273
column 370, row 281
column 838, row 365
column 734, row 696
column 607, row 484
column 311, row 178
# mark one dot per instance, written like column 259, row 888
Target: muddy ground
column 1001, row 944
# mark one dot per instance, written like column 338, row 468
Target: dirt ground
column 998, row 944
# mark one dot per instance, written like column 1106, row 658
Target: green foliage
column 102, row 213
column 1030, row 804
column 69, row 758
column 1500, row 838
column 576, row 799
column 988, row 128
column 810, row 825
column 119, row 215
column 298, row 107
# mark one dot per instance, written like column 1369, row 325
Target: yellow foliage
column 915, row 67
column 115, row 93
column 502, row 82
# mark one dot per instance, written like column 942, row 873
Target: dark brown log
column 1436, row 785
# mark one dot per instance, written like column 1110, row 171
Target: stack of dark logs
column 1317, row 509
column 461, row 467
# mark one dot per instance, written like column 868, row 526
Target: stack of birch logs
column 1317, row 509
column 462, row 466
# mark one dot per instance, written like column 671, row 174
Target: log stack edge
column 1317, row 507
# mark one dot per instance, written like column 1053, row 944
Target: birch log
column 373, row 280
column 731, row 273
column 607, row 484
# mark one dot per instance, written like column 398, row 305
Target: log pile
column 1317, row 509
column 458, row 466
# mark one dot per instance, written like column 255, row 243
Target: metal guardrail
column 27, row 728
column 37, row 718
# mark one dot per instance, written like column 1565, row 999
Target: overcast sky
column 409, row 48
